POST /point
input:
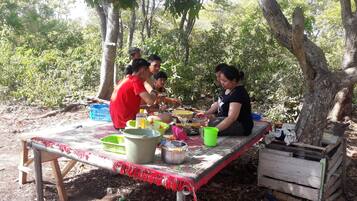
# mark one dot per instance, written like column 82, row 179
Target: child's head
column 160, row 80
column 134, row 53
column 155, row 63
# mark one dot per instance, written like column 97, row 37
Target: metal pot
column 174, row 152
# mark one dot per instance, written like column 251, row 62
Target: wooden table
column 82, row 143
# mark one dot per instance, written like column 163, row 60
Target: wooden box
column 302, row 170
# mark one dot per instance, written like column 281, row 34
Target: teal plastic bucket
column 140, row 144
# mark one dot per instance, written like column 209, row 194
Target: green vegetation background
column 48, row 60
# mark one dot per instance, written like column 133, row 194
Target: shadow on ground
column 235, row 182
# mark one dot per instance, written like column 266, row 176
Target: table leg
column 38, row 173
column 180, row 196
column 59, row 180
column 24, row 159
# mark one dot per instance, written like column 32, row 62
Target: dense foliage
column 46, row 59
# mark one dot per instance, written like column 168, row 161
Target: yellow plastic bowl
column 161, row 126
column 158, row 125
column 183, row 113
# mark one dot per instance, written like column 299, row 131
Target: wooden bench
column 26, row 160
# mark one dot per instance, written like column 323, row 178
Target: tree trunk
column 150, row 20
column 184, row 28
column 188, row 30
column 132, row 27
column 312, row 119
column 343, row 100
column 103, row 20
column 342, row 104
column 144, row 12
column 109, row 53
column 120, row 33
column 182, row 21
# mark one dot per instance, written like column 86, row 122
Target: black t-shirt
column 239, row 95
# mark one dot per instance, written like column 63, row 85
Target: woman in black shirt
column 233, row 106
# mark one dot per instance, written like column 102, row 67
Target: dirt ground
column 238, row 181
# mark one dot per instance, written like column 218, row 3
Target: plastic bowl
column 158, row 125
column 183, row 114
column 113, row 143
column 131, row 124
column 256, row 116
column 161, row 127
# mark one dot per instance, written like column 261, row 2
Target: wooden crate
column 302, row 170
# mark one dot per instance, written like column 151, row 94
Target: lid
column 142, row 110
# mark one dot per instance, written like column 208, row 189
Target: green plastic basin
column 114, row 143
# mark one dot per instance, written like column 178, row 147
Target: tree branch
column 298, row 46
column 349, row 76
column 346, row 12
column 314, row 57
column 103, row 20
column 277, row 22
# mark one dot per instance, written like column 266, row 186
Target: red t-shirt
column 125, row 100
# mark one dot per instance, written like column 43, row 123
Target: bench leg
column 180, row 196
column 59, row 180
column 68, row 167
column 38, row 174
column 24, row 157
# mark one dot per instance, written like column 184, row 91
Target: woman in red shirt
column 126, row 97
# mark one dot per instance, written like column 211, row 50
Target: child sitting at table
column 159, row 86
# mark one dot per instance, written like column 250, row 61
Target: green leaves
column 45, row 60
column 119, row 4
column 178, row 7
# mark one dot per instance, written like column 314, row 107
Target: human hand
column 176, row 101
column 153, row 108
column 201, row 115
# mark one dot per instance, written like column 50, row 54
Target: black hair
column 219, row 67
column 160, row 74
column 154, row 57
column 232, row 73
column 240, row 73
column 138, row 64
column 128, row 70
column 133, row 50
